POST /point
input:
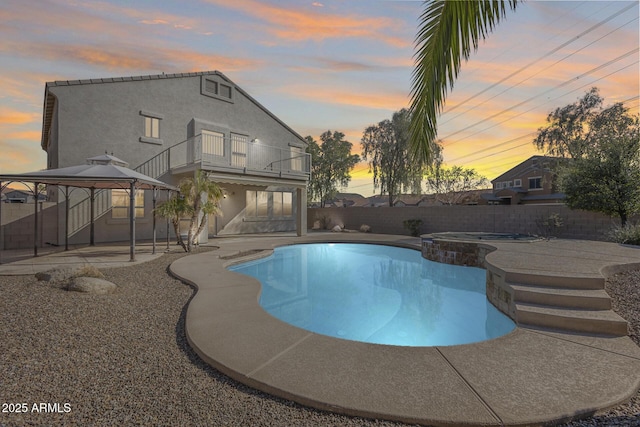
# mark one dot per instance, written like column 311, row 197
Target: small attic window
column 212, row 87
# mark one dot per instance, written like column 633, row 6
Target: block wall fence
column 524, row 219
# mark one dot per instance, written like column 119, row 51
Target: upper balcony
column 214, row 152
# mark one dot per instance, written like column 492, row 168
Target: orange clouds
column 128, row 57
column 301, row 25
column 15, row 117
column 343, row 96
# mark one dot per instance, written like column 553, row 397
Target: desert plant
column 413, row 225
column 198, row 198
column 629, row 234
column 365, row 228
column 88, row 271
column 324, row 221
column 549, row 225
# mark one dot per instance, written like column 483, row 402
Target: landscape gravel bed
column 122, row 359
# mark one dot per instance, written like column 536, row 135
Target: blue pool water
column 376, row 294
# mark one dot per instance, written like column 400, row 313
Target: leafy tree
column 452, row 184
column 446, row 33
column 386, row 147
column 331, row 163
column 197, row 195
column 606, row 178
column 568, row 133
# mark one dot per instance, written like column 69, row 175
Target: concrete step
column 589, row 299
column 604, row 322
column 569, row 282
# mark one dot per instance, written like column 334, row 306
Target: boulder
column 56, row 275
column 92, row 285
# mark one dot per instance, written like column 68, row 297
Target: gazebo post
column 35, row 219
column 132, row 221
column 1, row 229
column 66, row 218
column 92, row 230
column 168, row 196
column 155, row 193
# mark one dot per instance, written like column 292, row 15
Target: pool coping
column 527, row 377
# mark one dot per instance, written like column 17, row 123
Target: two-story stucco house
column 531, row 181
column 167, row 127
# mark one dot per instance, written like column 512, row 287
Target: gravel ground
column 123, row 359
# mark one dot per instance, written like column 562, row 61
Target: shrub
column 548, row 226
column 413, row 225
column 629, row 234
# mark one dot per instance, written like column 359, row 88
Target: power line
column 551, row 52
column 535, row 74
column 531, row 134
column 606, row 64
column 546, row 102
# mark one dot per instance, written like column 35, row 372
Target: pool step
column 604, row 322
column 589, row 299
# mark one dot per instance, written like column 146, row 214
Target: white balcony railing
column 211, row 151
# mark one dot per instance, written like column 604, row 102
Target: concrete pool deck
column 528, row 377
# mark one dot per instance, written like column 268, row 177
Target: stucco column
column 301, row 211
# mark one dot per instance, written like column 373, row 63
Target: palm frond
column 447, row 31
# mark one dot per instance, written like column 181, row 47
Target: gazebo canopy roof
column 102, row 171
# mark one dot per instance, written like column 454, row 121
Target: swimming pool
column 376, row 294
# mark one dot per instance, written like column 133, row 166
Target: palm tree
column 197, row 195
column 447, row 30
column 174, row 209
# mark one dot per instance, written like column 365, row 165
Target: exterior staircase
column 80, row 212
column 570, row 304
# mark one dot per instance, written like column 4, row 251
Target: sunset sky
column 320, row 65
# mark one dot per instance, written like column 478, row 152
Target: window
column 239, row 150
column 535, row 183
column 282, row 203
column 120, row 204
column 151, row 127
column 269, row 204
column 517, row 182
column 212, row 145
column 216, row 87
column 297, row 155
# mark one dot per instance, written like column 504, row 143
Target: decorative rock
column 336, row 229
column 92, row 285
column 56, row 275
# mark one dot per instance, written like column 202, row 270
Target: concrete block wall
column 524, row 219
column 18, row 225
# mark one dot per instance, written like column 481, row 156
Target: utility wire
column 540, row 71
column 551, row 52
column 565, row 83
column 546, row 102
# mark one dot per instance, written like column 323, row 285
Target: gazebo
column 100, row 172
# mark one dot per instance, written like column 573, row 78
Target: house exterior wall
column 90, row 118
column 99, row 117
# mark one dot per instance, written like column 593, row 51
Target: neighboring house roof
column 553, row 196
column 49, row 98
column 532, row 163
column 408, row 199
